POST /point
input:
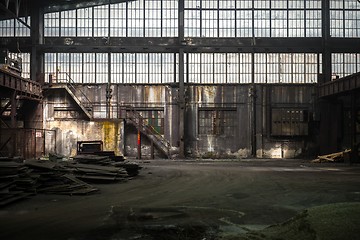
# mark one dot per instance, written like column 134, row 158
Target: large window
column 152, row 68
column 286, row 67
column 223, row 68
column 344, row 64
column 68, row 23
column 213, row 121
column 52, row 24
column 345, row 18
column 142, row 18
column 14, row 28
column 84, row 22
column 257, row 18
column 218, row 68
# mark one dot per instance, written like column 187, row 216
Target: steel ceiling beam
column 6, row 9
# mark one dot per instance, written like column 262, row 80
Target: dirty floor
column 192, row 199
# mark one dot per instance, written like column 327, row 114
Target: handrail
column 70, row 82
column 138, row 120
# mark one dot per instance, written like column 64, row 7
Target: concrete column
column 181, row 101
column 37, row 38
column 326, row 55
column 354, row 144
column 181, row 105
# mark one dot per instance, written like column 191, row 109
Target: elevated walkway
column 79, row 97
column 25, row 88
column 340, row 86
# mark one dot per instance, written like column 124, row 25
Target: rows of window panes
column 344, row 18
column 218, row 67
column 201, row 68
column 143, row 18
column 14, row 28
column 286, row 67
column 294, row 18
column 124, row 67
column 344, row 64
column 237, row 68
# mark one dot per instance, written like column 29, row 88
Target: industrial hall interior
column 152, row 94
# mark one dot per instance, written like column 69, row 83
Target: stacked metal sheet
column 19, row 180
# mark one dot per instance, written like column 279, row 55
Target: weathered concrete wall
column 69, row 132
column 252, row 135
column 281, row 96
column 62, row 113
column 233, row 97
column 253, row 107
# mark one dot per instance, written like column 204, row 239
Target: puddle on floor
column 168, row 223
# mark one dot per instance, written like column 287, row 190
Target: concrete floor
column 185, row 200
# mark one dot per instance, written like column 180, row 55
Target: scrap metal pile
column 22, row 179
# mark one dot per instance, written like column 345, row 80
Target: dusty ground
column 186, row 200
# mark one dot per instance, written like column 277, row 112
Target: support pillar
column 13, row 123
column 181, row 101
column 354, row 145
column 326, row 55
column 37, row 38
column 181, row 105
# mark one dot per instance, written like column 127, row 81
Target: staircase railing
column 83, row 99
column 140, row 123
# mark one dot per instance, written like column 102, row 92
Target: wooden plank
column 41, row 164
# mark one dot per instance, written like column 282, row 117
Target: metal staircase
column 76, row 94
column 134, row 117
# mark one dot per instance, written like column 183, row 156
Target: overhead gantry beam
column 162, row 44
column 24, row 88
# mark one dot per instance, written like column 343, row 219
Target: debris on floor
column 12, row 177
column 19, row 180
column 164, row 223
column 331, row 222
column 333, row 157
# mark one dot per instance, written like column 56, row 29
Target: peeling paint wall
column 217, row 97
column 253, row 128
column 70, row 132
column 252, row 106
column 62, row 113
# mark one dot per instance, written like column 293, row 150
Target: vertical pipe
column 34, row 135
column 139, row 141
column 44, row 141
column 55, row 151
